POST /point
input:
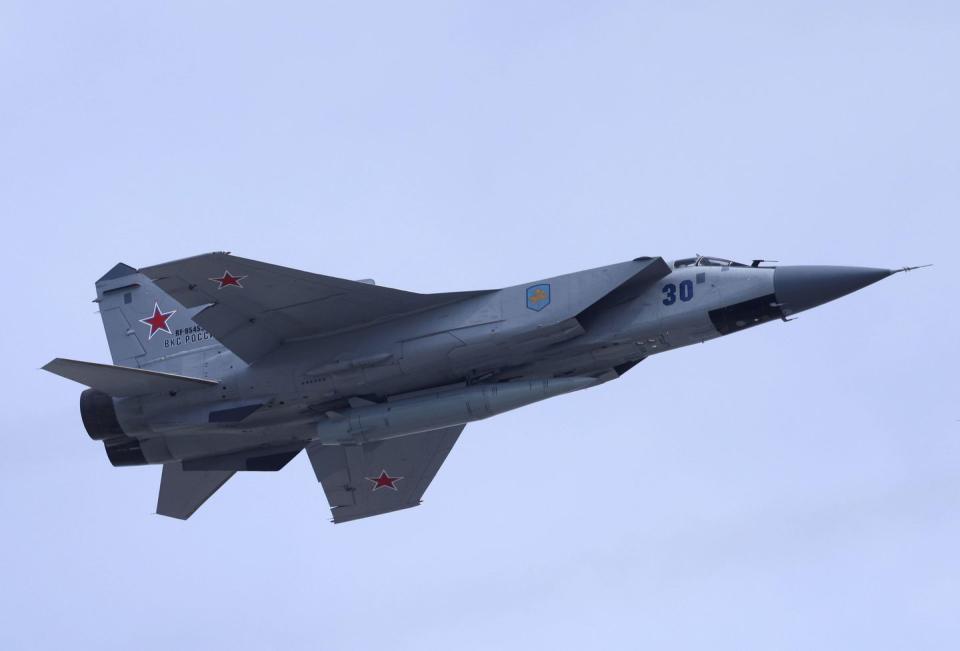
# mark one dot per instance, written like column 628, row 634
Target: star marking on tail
column 228, row 280
column 158, row 322
column 383, row 481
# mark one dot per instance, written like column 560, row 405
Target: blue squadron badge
column 538, row 296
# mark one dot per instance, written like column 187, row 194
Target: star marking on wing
column 383, row 481
column 228, row 280
column 158, row 322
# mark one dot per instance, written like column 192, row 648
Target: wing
column 375, row 478
column 253, row 307
column 183, row 491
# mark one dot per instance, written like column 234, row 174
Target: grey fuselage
column 460, row 362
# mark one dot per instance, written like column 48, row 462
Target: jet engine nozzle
column 799, row 288
column 100, row 420
column 99, row 415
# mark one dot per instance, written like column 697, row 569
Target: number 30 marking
column 670, row 292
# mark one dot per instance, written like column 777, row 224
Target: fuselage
column 352, row 384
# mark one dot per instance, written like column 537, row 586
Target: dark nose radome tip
column 802, row 287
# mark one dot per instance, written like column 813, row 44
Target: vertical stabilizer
column 146, row 328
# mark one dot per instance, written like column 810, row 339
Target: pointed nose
column 800, row 288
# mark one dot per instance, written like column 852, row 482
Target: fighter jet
column 224, row 364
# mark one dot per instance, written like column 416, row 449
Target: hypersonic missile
column 434, row 410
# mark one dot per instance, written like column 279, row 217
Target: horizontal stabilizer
column 122, row 382
column 183, row 491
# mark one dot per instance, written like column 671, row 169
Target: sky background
column 791, row 487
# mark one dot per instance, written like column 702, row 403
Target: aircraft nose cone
column 802, row 287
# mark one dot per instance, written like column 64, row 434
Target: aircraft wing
column 374, row 478
column 253, row 307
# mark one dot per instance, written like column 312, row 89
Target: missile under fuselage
column 443, row 408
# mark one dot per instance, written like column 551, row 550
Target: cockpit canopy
column 707, row 261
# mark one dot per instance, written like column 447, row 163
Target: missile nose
column 802, row 287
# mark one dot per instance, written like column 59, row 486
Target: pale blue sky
column 792, row 487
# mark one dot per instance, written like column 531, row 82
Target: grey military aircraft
column 221, row 363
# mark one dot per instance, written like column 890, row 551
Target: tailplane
column 183, row 492
column 123, row 381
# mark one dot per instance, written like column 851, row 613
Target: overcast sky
column 791, row 487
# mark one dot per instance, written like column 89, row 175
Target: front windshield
column 706, row 261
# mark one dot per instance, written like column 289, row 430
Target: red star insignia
column 228, row 280
column 383, row 481
column 158, row 321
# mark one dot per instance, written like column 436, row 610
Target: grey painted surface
column 303, row 361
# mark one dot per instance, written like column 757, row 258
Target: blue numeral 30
column 670, row 292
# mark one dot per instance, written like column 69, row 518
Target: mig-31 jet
column 223, row 364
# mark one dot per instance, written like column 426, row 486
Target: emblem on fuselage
column 538, row 296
